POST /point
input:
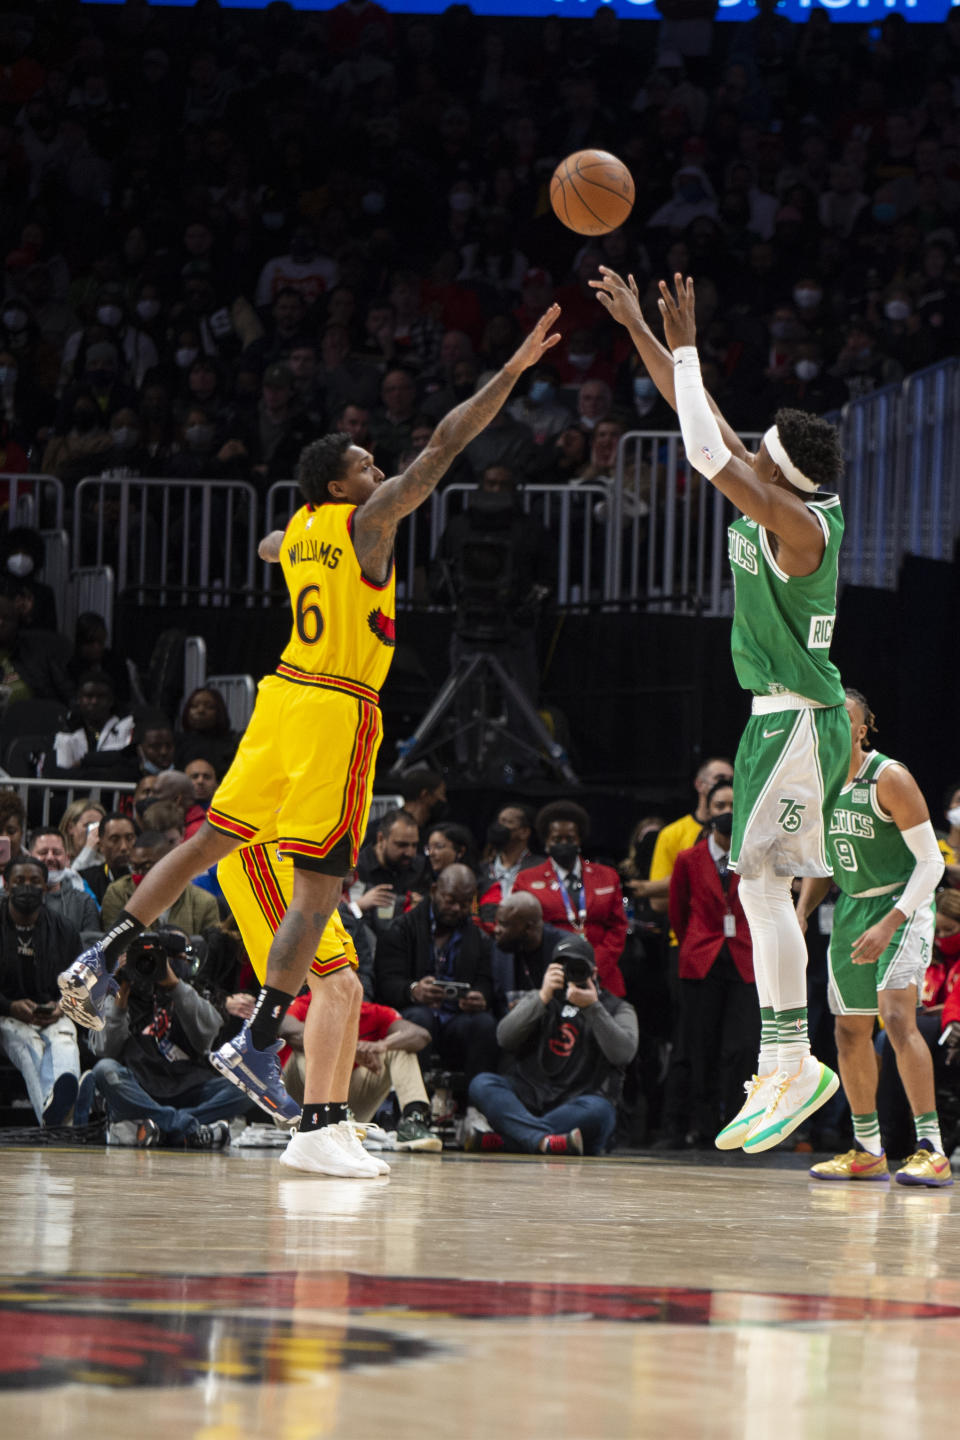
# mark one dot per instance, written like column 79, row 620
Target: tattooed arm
column 375, row 525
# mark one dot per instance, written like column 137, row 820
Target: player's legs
column 898, row 1009
column 330, row 1037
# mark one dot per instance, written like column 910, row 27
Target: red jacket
column 697, row 908
column 606, row 923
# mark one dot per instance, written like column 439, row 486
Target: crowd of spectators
column 517, row 994
column 225, row 231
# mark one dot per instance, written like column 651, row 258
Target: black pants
column 720, row 1035
column 465, row 1042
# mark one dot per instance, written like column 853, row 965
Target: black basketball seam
column 562, row 191
column 604, row 164
column 610, row 191
column 599, row 219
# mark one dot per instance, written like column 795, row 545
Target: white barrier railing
column 183, row 541
column 34, row 500
column 872, row 489
column 928, row 461
column 107, row 795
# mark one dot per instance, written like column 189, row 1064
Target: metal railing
column 90, row 588
column 239, row 693
column 928, row 461
column 65, row 790
column 872, row 489
column 34, row 500
column 173, row 541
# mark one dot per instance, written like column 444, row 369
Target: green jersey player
column 795, row 751
column 885, row 859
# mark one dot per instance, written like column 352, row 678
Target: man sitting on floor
column 570, row 1041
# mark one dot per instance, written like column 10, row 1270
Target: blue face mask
column 643, row 387
column 540, row 392
column 885, row 212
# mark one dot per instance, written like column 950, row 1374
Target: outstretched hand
column 677, row 309
column 537, row 343
column 619, row 297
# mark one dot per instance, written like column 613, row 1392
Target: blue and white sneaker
column 257, row 1074
column 84, row 988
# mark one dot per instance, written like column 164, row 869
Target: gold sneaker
column 854, row 1165
column 925, row 1167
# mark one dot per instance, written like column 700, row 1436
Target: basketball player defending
column 303, row 774
column 795, row 752
column 887, row 864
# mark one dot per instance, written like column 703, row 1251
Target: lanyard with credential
column 578, row 920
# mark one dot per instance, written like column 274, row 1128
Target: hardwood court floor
column 162, row 1296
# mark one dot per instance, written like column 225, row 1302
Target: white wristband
column 701, row 434
column 922, row 843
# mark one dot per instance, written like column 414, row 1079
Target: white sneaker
column 350, row 1141
column 795, row 1097
column 323, row 1152
column 760, row 1091
column 375, row 1137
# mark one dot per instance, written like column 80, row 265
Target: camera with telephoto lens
column 145, row 963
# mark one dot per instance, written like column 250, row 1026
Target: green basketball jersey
column 783, row 624
column 866, row 850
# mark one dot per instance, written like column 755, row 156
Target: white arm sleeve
column 698, row 424
column 926, row 873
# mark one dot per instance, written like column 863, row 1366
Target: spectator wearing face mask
column 126, row 455
column 693, row 195
column 22, row 556
column 902, row 332
column 82, row 441
column 719, row 1012
column 576, row 894
column 66, row 895
column 862, row 364
column 579, row 362
column 540, row 409
column 806, row 385
column 136, row 353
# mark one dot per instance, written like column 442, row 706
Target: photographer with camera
column 35, row 1034
column 433, row 965
column 152, row 1072
column 570, row 1042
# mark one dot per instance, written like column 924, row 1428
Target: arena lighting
column 855, row 12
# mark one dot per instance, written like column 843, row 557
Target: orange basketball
column 591, row 192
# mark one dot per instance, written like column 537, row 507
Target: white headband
column 783, row 462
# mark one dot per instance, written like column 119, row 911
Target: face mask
column 372, row 203
column 581, row 359
column 27, row 898
column 564, row 853
column 461, row 202
column 498, row 835
column 953, row 816
column 806, row 369
column 643, row 387
column 273, row 219
column 150, row 769
column 541, row 391
column 949, row 945
column 109, row 315
column 56, row 877
column 199, row 437
column 148, row 309
column 885, row 212
column 84, row 421
column 125, row 436
column 15, row 318
column 185, row 357
column 8, row 374
column 897, row 309
column 807, row 299
column 20, row 565
column 723, row 824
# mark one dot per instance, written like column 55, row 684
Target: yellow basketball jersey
column 343, row 624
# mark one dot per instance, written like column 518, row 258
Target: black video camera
column 145, row 963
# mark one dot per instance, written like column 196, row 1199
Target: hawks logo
column 383, row 627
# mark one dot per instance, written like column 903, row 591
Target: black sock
column 116, row 940
column 265, row 1020
column 315, row 1117
column 419, row 1108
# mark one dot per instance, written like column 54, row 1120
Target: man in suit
column 578, row 895
column 719, row 1012
column 431, row 945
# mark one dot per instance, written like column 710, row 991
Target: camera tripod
column 482, row 740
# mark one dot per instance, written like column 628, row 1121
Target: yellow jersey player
column 303, row 773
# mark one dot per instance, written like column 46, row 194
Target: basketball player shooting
column 303, row 774
column 793, row 758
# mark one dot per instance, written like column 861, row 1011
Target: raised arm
column 622, row 300
column 779, row 510
column 375, row 525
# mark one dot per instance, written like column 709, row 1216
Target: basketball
column 591, row 192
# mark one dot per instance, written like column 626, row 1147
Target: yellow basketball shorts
column 303, row 774
column 258, row 884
